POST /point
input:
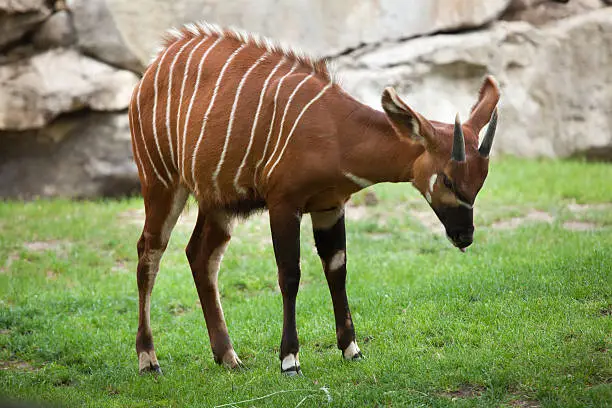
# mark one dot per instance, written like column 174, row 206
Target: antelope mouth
column 460, row 244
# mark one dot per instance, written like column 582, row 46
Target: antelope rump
column 244, row 124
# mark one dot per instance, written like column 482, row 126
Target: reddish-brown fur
column 336, row 142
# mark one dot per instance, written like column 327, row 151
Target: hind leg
column 208, row 242
column 162, row 208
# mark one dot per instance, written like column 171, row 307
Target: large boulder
column 120, row 33
column 18, row 17
column 35, row 91
column 540, row 12
column 556, row 81
column 84, row 155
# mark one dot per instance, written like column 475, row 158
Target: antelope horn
column 458, row 142
column 487, row 141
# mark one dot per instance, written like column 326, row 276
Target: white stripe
column 139, row 165
column 254, row 127
column 282, row 124
column 361, row 182
column 169, row 102
column 319, row 95
column 207, row 114
column 155, row 89
column 144, row 142
column 280, row 83
column 193, row 95
column 232, row 115
column 178, row 113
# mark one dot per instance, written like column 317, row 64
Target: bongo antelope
column 243, row 124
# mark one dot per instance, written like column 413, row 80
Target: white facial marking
column 361, row 182
column 278, row 88
column 169, row 101
column 282, row 123
column 464, row 204
column 297, row 120
column 432, row 181
column 337, row 261
column 351, row 351
column 232, row 115
column 178, row 112
column 428, row 197
column 144, row 142
column 254, row 127
column 290, row 361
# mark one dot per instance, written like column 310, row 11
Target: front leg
column 285, row 226
column 330, row 239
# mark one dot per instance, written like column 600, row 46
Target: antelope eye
column 447, row 183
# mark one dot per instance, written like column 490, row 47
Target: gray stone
column 538, row 12
column 556, row 81
column 119, row 31
column 99, row 36
column 35, row 91
column 56, row 31
column 78, row 156
column 18, row 17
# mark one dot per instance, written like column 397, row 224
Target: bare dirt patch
column 580, row 208
column 429, row 220
column 580, row 226
column 521, row 403
column 16, row 365
column 356, row 212
column 534, row 216
column 465, row 391
column 43, row 246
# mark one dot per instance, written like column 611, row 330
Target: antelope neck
column 371, row 149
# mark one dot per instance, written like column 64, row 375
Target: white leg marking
column 324, row 220
column 432, row 181
column 155, row 91
column 193, row 95
column 230, row 359
column 278, row 88
column 282, row 123
column 207, row 114
column 144, row 142
column 169, row 102
column 231, row 119
column 178, row 113
column 360, row 181
column 254, row 127
column 146, row 359
column 135, row 146
column 337, row 261
column 428, row 197
column 291, row 360
column 297, row 120
column 351, row 351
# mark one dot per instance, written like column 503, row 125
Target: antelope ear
column 487, row 101
column 404, row 120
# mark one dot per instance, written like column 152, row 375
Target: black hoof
column 358, row 356
column 292, row 371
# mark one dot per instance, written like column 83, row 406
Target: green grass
column 524, row 317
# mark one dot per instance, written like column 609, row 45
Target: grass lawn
column 523, row 319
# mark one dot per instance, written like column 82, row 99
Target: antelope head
column 452, row 168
